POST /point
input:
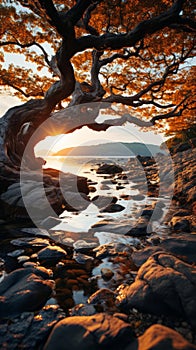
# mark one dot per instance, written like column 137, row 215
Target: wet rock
column 104, row 187
column 24, row 290
column 50, row 222
column 22, row 258
column 153, row 212
column 51, row 252
column 103, row 298
column 107, row 274
column 112, row 249
column 90, row 332
column 76, row 201
column 158, row 337
column 183, row 246
column 30, row 242
column 181, row 212
column 164, row 285
column 29, row 331
column 180, row 223
column 137, row 197
column 82, row 310
column 108, row 237
column 147, row 212
column 142, row 228
column 82, row 258
column 103, row 201
column 109, row 169
column 40, row 232
column 31, row 195
column 29, row 264
column 92, row 189
column 2, row 262
column 114, row 226
column 67, row 181
column 112, row 208
column 83, row 246
column 39, row 193
column 141, row 256
column 16, row 253
column 126, row 197
column 119, row 187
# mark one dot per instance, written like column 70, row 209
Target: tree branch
column 65, row 21
column 144, row 28
column 87, row 18
column 23, row 46
column 174, row 113
column 185, row 24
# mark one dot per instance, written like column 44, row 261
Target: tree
column 132, row 53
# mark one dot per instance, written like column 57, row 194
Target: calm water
column 82, row 222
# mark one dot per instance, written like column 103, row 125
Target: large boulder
column 99, row 331
column 40, row 195
column 68, row 181
column 182, row 246
column 164, row 285
column 24, row 290
column 158, row 337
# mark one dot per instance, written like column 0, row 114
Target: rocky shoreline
column 135, row 293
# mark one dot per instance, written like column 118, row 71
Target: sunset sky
column 85, row 136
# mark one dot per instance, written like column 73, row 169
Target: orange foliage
column 25, row 31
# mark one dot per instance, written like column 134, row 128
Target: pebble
column 16, row 253
column 107, row 274
column 23, row 258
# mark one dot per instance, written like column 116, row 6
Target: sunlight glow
column 85, row 136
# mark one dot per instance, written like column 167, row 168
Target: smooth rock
column 82, row 258
column 51, row 252
column 180, row 223
column 112, row 249
column 142, row 228
column 104, row 187
column 113, row 226
column 83, row 246
column 16, row 253
column 75, row 201
column 140, row 256
column 101, row 296
column 137, row 197
column 112, row 208
column 164, row 285
column 183, row 246
column 109, row 169
column 99, row 331
column 30, row 242
column 108, row 237
column 82, row 310
column 158, row 337
column 106, row 273
column 24, row 290
column 103, row 201
column 36, row 231
column 50, row 222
